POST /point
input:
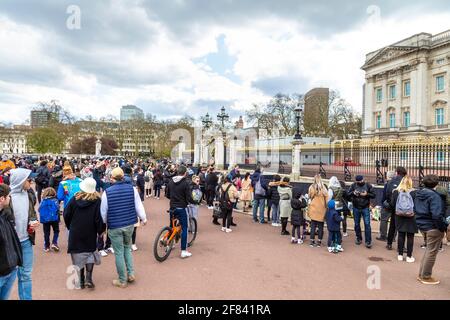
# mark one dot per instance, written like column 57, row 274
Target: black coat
column 211, row 181
column 404, row 224
column 179, row 192
column 55, row 179
column 428, row 209
column 140, row 184
column 84, row 222
column 297, row 216
column 360, row 202
column 10, row 248
column 272, row 193
column 43, row 176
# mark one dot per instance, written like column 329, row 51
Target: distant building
column 131, row 113
column 239, row 124
column 42, row 118
column 13, row 140
column 316, row 111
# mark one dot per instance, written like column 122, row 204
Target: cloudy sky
column 178, row 57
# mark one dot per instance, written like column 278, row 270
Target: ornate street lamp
column 297, row 141
column 207, row 121
column 298, row 112
column 223, row 117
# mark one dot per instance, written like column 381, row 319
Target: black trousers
column 296, row 228
column 227, row 216
column 284, row 222
column 318, row 225
column 133, row 237
column 39, row 189
column 101, row 243
column 47, row 226
column 402, row 236
column 210, row 194
column 158, row 191
column 148, row 192
column 392, row 230
column 345, row 214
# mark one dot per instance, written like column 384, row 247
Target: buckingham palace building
column 407, row 87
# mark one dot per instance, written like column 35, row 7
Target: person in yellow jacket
column 6, row 163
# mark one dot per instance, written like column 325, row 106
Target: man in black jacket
column 10, row 248
column 360, row 194
column 391, row 186
column 42, row 178
column 430, row 219
column 179, row 193
column 211, row 185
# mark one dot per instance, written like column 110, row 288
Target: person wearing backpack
column 259, row 185
column 228, row 196
column 403, row 201
column 42, row 179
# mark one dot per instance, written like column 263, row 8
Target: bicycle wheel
column 192, row 231
column 162, row 247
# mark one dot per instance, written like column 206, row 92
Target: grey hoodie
column 20, row 201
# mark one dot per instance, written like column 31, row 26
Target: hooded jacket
column 428, row 210
column 272, row 193
column 285, row 192
column 333, row 217
column 179, row 192
column 298, row 204
column 56, row 178
column 84, row 221
column 22, row 204
column 10, row 248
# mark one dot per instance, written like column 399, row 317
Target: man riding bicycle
column 179, row 193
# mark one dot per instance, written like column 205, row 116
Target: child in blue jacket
column 334, row 228
column 49, row 217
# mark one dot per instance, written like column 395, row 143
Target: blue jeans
column 365, row 214
column 261, row 204
column 6, row 283
column 182, row 215
column 24, row 272
column 275, row 213
column 334, row 238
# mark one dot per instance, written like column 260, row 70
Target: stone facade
column 407, row 88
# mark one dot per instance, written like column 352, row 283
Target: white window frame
column 404, row 89
column 394, row 91
column 437, row 83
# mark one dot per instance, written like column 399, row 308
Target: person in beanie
column 360, row 194
column 431, row 222
column 69, row 186
column 120, row 208
column 334, row 228
column 10, row 248
column 84, row 222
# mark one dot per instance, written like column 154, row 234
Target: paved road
column 252, row 262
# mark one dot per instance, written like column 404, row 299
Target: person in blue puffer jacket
column 49, row 217
column 334, row 228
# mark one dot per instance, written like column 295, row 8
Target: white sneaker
column 410, row 260
column 210, row 208
column 224, row 229
column 340, row 249
column 293, row 240
column 299, row 241
column 103, row 253
column 185, row 254
column 400, row 258
column 157, row 198
column 345, row 234
column 134, row 247
column 228, row 230
column 111, row 250
column 330, row 249
column 274, row 224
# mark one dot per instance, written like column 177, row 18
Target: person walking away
column 228, row 196
column 385, row 209
column 140, row 185
column 334, row 228
column 361, row 192
column 274, row 197
column 317, row 209
column 246, row 191
column 391, row 186
column 120, row 208
column 430, row 221
column 179, row 193
column 158, row 182
column 405, row 222
column 26, row 222
column 84, row 221
column 148, row 182
column 10, row 249
column 69, row 186
column 298, row 204
column 212, row 181
column 42, row 179
column 49, row 218
column 56, row 177
column 260, row 187
column 285, row 193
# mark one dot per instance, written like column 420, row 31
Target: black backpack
column 225, row 202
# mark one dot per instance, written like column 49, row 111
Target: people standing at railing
column 246, row 191
column 285, row 194
column 318, row 193
column 361, row 193
column 345, row 209
column 392, row 185
column 260, row 186
column 385, row 209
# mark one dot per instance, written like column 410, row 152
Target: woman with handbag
column 84, row 222
column 317, row 209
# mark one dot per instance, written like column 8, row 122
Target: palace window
column 440, row 156
column 391, row 120
column 379, row 94
column 392, row 92
column 440, row 61
column 440, row 83
column 407, row 88
column 439, row 116
column 378, row 121
column 406, row 119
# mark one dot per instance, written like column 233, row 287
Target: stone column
column 197, row 154
column 296, row 159
column 205, row 153
column 233, row 154
column 369, row 104
column 181, row 149
column 419, row 105
column 219, row 155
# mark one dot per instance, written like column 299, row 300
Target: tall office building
column 42, row 118
column 131, row 113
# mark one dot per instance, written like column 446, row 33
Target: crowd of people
column 101, row 203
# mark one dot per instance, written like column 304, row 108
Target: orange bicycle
column 168, row 236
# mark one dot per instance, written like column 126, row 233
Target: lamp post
column 297, row 141
column 222, row 117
